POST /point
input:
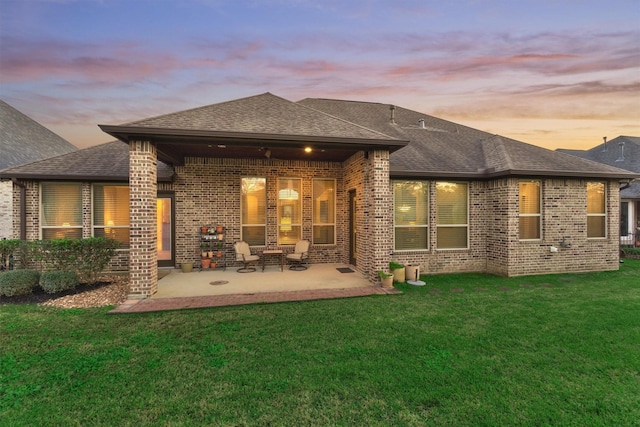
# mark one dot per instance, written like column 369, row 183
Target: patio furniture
column 274, row 252
column 299, row 256
column 243, row 254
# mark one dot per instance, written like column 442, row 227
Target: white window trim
column 538, row 215
column 300, row 196
column 427, row 225
column 93, row 226
column 41, row 210
column 454, row 225
column 335, row 213
column 603, row 215
column 242, row 225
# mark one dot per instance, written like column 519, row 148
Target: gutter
column 23, row 208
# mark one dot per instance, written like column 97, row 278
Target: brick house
column 22, row 141
column 365, row 182
column 622, row 152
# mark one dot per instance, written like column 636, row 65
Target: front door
column 165, row 230
column 352, row 227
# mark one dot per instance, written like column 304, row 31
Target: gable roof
column 23, row 140
column 263, row 120
column 104, row 162
column 440, row 148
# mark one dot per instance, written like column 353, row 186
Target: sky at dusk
column 554, row 73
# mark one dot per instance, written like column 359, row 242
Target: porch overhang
column 174, row 145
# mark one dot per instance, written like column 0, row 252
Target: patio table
column 273, row 252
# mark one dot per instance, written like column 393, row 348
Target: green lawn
column 562, row 350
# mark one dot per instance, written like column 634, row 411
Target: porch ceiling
column 174, row 145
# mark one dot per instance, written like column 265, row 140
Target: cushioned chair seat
column 299, row 256
column 244, row 255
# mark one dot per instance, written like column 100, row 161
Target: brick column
column 381, row 211
column 143, row 183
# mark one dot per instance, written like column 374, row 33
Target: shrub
column 7, row 248
column 58, row 281
column 87, row 257
column 18, row 282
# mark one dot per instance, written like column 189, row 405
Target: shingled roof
column 622, row 152
column 23, row 140
column 440, row 148
column 104, row 162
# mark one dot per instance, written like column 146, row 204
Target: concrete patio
column 219, row 282
column 217, row 288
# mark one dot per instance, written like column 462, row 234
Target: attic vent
column 421, row 124
column 392, row 108
column 604, row 144
column 621, row 158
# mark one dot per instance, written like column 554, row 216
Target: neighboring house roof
column 440, row 148
column 23, row 140
column 104, row 162
column 622, row 152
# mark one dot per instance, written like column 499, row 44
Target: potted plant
column 206, row 262
column 398, row 271
column 219, row 252
column 187, row 267
column 386, row 279
column 204, row 229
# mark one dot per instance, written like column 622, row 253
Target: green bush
column 395, row 266
column 8, row 247
column 57, row 281
column 87, row 257
column 18, row 282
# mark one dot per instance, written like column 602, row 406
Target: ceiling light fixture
column 307, row 149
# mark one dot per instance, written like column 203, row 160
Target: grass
column 537, row 350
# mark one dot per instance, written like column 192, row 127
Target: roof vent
column 421, row 124
column 392, row 108
column 604, row 148
column 621, row 158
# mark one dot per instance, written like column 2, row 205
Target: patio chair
column 299, row 256
column 243, row 254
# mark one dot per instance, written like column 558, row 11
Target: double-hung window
column 111, row 212
column 253, row 206
column 289, row 210
column 61, row 210
column 596, row 210
column 529, row 210
column 452, row 213
column 324, row 211
column 411, row 215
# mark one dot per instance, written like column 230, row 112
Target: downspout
column 626, row 184
column 23, row 208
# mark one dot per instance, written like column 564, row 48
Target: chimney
column 604, row 148
column 392, row 108
column 621, row 158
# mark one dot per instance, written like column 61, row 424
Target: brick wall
column 494, row 235
column 143, row 190
column 6, row 210
column 207, row 192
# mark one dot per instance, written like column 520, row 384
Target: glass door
column 165, row 231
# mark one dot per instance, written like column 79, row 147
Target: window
column 111, row 212
column 451, row 215
column 529, row 213
column 624, row 219
column 289, row 210
column 61, row 210
column 596, row 210
column 411, row 215
column 253, row 205
column 324, row 211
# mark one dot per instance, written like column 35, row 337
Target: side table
column 273, row 252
